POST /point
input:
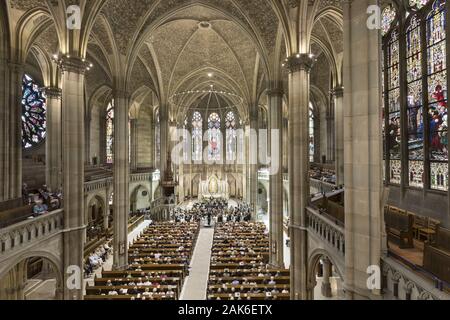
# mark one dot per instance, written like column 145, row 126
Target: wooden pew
column 399, row 228
column 436, row 258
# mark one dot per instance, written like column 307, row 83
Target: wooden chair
column 419, row 223
column 429, row 232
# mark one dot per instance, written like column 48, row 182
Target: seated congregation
column 239, row 265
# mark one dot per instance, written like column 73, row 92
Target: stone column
column 53, row 170
column 338, row 95
column 121, row 179
column 133, row 145
column 164, row 136
column 87, row 139
column 326, row 284
column 299, row 67
column 11, row 134
column 106, row 214
column 253, row 160
column 276, row 180
column 363, row 149
column 73, row 131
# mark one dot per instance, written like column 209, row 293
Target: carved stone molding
column 73, row 64
column 338, row 92
column 298, row 62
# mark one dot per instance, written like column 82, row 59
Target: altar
column 213, row 188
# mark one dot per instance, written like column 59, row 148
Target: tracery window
column 110, row 133
column 197, row 136
column 231, row 145
column 34, row 108
column 311, row 133
column 415, row 121
column 157, row 139
column 214, row 137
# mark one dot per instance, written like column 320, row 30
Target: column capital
column 338, row 92
column 300, row 61
column 72, row 64
column 53, row 92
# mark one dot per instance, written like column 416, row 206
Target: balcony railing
column 103, row 183
column 409, row 284
column 326, row 229
column 22, row 234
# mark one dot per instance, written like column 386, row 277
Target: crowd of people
column 215, row 210
column 42, row 200
column 96, row 259
column 239, row 265
column 158, row 264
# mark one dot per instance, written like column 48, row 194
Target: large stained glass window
column 393, row 93
column 214, row 137
column 437, row 96
column 197, row 136
column 110, row 133
column 230, row 124
column 424, row 105
column 33, row 113
column 414, row 104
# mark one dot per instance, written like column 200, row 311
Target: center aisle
column 196, row 283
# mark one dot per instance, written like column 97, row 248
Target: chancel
column 224, row 150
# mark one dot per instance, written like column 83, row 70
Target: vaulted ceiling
column 182, row 45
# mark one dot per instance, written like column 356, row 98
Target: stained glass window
column 214, row 137
column 437, row 96
column 426, row 106
column 34, row 126
column 311, row 133
column 387, row 17
column 197, row 136
column 230, row 124
column 110, row 133
column 418, row 4
column 393, row 92
column 157, row 139
column 415, row 104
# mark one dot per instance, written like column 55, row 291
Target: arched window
column 110, row 133
column 231, row 145
column 34, row 126
column 157, row 139
column 437, row 96
column 214, row 138
column 311, row 133
column 197, row 136
column 415, row 104
column 415, row 108
column 393, row 93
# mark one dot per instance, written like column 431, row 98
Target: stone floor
column 196, row 283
